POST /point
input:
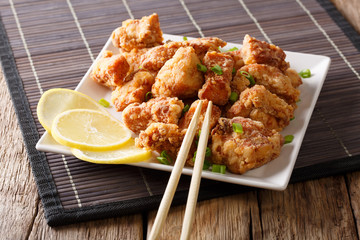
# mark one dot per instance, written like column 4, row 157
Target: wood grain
column 232, row 217
column 350, row 10
column 21, row 212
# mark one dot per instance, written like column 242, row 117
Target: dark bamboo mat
column 43, row 45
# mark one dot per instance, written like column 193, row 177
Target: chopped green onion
column 148, row 96
column 292, row 118
column 233, row 49
column 104, row 103
column 299, row 100
column 237, row 127
column 199, row 133
column 201, row 68
column 206, row 165
column 233, row 71
column 194, row 157
column 288, row 139
column 163, row 160
column 184, row 38
column 233, row 97
column 208, row 152
column 140, row 67
column 218, row 168
column 222, row 169
column 217, row 69
column 249, row 77
column 186, row 108
column 305, row 73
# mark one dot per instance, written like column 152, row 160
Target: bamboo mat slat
column 73, row 190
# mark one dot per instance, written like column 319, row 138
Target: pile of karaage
column 158, row 85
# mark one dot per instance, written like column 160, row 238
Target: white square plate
column 274, row 175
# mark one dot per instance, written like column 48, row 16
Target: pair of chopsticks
column 176, row 172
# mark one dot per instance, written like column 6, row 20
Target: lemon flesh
column 90, row 130
column 127, row 153
column 58, row 100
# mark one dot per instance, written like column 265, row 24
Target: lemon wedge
column 58, row 100
column 89, row 130
column 127, row 153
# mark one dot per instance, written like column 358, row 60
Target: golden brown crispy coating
column 138, row 117
column 239, row 83
column 133, row 91
column 156, row 57
column 256, row 51
column 261, row 105
column 294, row 77
column 134, row 58
column 253, row 148
column 137, row 33
column 238, row 60
column 274, row 80
column 186, row 119
column 204, row 45
column 160, row 137
column 179, row 76
column 217, row 86
column 110, row 70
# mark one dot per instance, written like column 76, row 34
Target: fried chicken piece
column 294, row 77
column 204, row 45
column 217, row 85
column 156, row 57
column 110, row 70
column 186, row 119
column 274, row 80
column 261, row 105
column 161, row 136
column 241, row 152
column 138, row 117
column 256, row 51
column 238, row 60
column 179, row 76
column 133, row 91
column 134, row 58
column 135, row 33
column 239, row 83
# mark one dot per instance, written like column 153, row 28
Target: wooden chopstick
column 196, row 176
column 175, row 176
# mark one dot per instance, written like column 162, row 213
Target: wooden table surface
column 327, row 208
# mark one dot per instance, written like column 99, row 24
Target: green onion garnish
column 184, row 38
column 217, row 69
column 148, row 96
column 222, row 169
column 208, row 152
column 237, row 127
column 218, row 168
column 201, row 68
column 305, row 73
column 194, row 157
column 186, row 108
column 206, row 165
column 233, row 49
column 233, row 71
column 249, row 77
column 104, row 103
column 288, row 139
column 140, row 67
column 292, row 118
column 299, row 100
column 164, row 158
column 233, row 97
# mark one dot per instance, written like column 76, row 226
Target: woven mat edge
column 54, row 212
